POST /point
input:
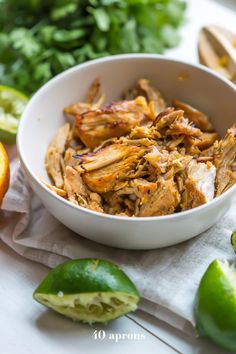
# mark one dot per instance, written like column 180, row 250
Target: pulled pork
column 225, row 161
column 139, row 157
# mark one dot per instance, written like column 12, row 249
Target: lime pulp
column 12, row 105
column 88, row 290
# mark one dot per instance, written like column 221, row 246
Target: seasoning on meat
column 163, row 201
column 139, row 157
column 113, row 120
column 152, row 95
column 225, row 161
column 199, row 184
column 93, row 100
column 54, row 157
column 197, row 117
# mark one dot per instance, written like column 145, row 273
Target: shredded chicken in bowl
column 139, row 156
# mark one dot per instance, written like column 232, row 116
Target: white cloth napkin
column 167, row 278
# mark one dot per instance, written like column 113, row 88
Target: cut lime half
column 12, row 105
column 215, row 307
column 88, row 290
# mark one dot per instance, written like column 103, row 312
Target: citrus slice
column 215, row 306
column 12, row 105
column 4, row 172
column 88, row 290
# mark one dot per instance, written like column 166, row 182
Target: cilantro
column 39, row 39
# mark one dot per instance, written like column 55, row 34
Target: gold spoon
column 217, row 50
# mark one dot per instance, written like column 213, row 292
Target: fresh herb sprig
column 39, row 39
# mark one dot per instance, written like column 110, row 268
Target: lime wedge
column 233, row 241
column 215, row 306
column 12, row 105
column 88, row 290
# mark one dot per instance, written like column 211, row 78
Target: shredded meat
column 203, row 141
column 197, row 117
column 172, row 122
column 104, row 157
column 94, row 93
column 95, row 202
column 225, row 161
column 152, row 95
column 58, row 191
column 75, row 187
column 103, row 180
column 77, row 191
column 166, row 118
column 114, row 120
column 54, row 157
column 141, row 192
column 163, row 200
column 144, row 132
column 93, row 100
column 69, row 159
column 162, row 161
column 199, row 181
column 138, row 157
column 181, row 126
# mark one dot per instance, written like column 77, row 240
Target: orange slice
column 4, row 172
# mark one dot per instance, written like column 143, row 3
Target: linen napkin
column 167, row 278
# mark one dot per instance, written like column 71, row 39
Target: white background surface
column 26, row 327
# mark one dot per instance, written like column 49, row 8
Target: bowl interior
column 194, row 85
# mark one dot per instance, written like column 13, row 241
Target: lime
column 12, row 105
column 215, row 306
column 88, row 290
column 233, row 240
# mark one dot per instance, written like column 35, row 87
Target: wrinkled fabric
column 166, row 278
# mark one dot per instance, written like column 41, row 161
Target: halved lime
column 215, row 306
column 88, row 290
column 12, row 105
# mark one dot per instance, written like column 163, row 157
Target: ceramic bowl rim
column 121, row 57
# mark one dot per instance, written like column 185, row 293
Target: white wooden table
column 27, row 328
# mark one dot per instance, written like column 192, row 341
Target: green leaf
column 174, row 11
column 4, row 41
column 129, row 39
column 42, row 72
column 147, row 16
column 61, row 12
column 23, row 41
column 39, row 39
column 101, row 18
column 121, row 3
column 152, row 45
column 66, row 60
column 46, row 33
column 170, row 36
column 62, row 36
column 99, row 42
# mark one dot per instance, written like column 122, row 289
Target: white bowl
column 194, row 84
